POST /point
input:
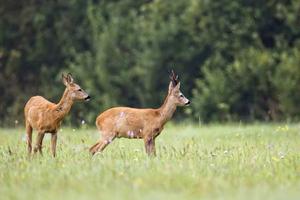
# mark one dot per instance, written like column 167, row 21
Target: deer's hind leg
column 29, row 137
column 92, row 148
column 105, row 140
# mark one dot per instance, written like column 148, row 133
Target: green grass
column 208, row 162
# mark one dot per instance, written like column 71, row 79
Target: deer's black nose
column 87, row 98
column 188, row 103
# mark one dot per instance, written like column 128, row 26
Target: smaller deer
column 144, row 124
column 45, row 116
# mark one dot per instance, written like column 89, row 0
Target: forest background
column 237, row 60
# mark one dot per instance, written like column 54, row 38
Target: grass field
column 209, row 162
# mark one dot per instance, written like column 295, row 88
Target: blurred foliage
column 237, row 60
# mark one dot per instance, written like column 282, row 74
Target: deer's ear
column 64, row 79
column 171, row 87
column 177, row 87
column 70, row 78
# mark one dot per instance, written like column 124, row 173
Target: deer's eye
column 79, row 90
column 181, row 95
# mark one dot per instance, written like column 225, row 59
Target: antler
column 174, row 78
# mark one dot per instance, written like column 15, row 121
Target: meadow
column 236, row 161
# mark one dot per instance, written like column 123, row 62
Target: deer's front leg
column 53, row 144
column 150, row 146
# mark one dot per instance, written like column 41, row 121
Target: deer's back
column 38, row 111
column 38, row 102
column 124, row 119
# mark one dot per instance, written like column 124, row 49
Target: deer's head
column 75, row 91
column 174, row 91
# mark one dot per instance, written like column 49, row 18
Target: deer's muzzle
column 87, row 98
column 188, row 103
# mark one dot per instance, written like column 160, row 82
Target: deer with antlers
column 45, row 116
column 144, row 124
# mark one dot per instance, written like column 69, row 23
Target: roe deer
column 144, row 124
column 45, row 116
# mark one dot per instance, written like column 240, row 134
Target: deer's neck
column 64, row 105
column 167, row 110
